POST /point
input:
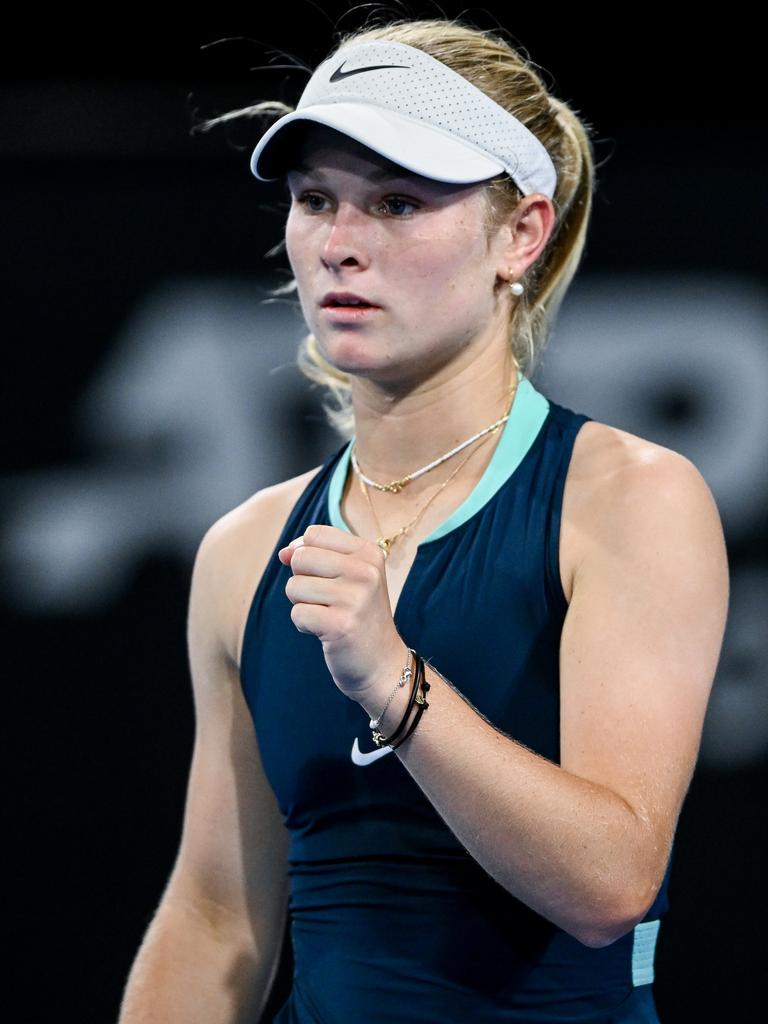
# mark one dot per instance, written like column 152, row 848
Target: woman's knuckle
column 364, row 572
column 371, row 574
column 373, row 551
column 346, row 623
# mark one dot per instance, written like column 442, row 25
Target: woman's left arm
column 584, row 843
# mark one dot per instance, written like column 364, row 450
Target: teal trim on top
column 643, row 951
column 529, row 410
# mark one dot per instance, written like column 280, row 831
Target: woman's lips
column 350, row 314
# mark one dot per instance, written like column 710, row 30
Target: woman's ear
column 530, row 228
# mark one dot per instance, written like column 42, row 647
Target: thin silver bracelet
column 405, row 675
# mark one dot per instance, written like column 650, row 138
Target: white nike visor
column 414, row 110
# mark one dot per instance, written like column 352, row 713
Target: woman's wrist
column 388, row 684
column 404, row 679
column 407, row 703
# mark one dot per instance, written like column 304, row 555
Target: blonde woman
column 449, row 685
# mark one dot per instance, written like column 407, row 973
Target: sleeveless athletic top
column 391, row 919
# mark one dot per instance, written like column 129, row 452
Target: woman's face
column 414, row 248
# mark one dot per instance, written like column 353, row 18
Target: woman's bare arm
column 586, row 843
column 212, row 949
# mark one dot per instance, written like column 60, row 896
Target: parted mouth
column 346, row 299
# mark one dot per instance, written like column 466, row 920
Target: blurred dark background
column 150, row 390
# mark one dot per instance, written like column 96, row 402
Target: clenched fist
column 339, row 592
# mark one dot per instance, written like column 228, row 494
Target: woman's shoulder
column 605, row 455
column 269, row 500
column 617, row 478
column 237, row 547
column 262, row 513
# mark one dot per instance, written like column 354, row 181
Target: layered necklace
column 395, row 486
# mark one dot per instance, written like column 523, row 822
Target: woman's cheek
column 296, row 241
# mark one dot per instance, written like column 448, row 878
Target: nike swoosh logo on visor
column 338, row 74
column 363, row 759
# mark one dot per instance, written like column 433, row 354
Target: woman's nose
column 347, row 238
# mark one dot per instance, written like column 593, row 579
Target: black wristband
column 422, row 706
column 417, row 676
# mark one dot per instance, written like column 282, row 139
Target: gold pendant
column 384, row 543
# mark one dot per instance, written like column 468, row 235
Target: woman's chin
column 353, row 355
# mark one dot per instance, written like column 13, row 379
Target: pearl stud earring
column 515, row 286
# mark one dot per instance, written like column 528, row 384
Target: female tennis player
column 450, row 685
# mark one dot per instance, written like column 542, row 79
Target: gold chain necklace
column 385, row 543
column 394, row 486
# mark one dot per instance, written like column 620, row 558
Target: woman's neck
column 395, row 436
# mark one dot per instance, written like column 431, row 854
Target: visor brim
column 418, row 147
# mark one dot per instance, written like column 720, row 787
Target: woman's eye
column 396, row 203
column 308, row 198
column 393, row 204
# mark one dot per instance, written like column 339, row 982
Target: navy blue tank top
column 391, row 919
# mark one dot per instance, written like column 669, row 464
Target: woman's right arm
column 211, row 952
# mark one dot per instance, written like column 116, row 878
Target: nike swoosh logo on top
column 363, row 759
column 338, row 74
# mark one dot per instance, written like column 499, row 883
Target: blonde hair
column 489, row 62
